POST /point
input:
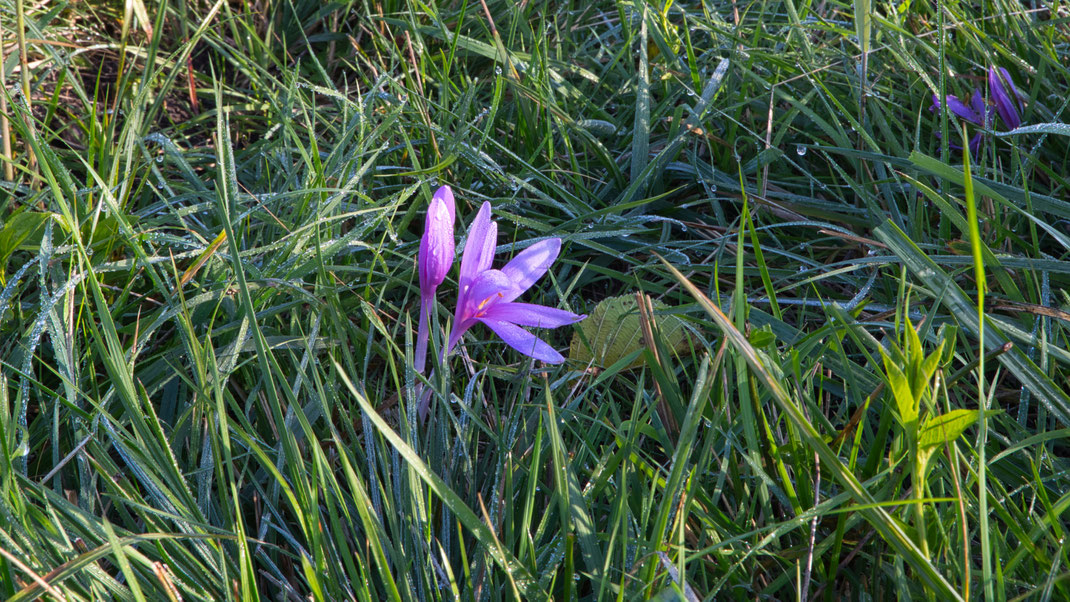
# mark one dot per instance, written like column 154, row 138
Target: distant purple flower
column 488, row 296
column 1005, row 96
column 434, row 262
column 973, row 112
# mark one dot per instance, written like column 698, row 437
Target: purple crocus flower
column 973, row 112
column 434, row 262
column 487, row 295
column 1005, row 96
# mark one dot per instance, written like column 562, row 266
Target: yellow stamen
column 484, row 303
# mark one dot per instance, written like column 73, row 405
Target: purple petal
column 960, row 109
column 1005, row 96
column 488, row 288
column 1013, row 89
column 530, row 264
column 524, row 342
column 436, row 246
column 977, row 103
column 490, row 245
column 446, row 194
column 458, row 330
column 482, row 235
column 975, row 144
column 527, row 314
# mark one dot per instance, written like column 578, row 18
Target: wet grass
column 209, row 299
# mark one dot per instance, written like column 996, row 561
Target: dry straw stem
column 5, row 126
column 24, row 73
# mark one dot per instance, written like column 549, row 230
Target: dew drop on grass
column 800, row 150
column 159, row 158
column 497, row 70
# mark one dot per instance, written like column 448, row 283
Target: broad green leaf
column 945, row 428
column 914, row 350
column 762, row 337
column 904, row 397
column 22, row 232
column 926, row 371
column 613, row 331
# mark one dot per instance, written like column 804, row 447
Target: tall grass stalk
column 982, row 395
column 24, row 75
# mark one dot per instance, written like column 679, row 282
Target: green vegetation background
column 208, row 297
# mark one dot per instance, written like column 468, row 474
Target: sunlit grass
column 209, row 301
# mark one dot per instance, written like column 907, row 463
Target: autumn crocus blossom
column 1005, row 96
column 489, row 296
column 434, row 262
column 974, row 112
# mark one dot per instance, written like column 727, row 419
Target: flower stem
column 422, row 333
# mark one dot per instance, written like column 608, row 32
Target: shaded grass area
column 209, row 296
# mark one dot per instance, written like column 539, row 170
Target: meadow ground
column 826, row 353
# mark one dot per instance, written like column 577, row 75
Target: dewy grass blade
column 1006, row 196
column 81, row 563
column 217, row 409
column 749, row 408
column 479, row 529
column 763, row 267
column 574, row 511
column 682, row 453
column 692, row 122
column 120, row 558
column 863, row 13
column 641, row 129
